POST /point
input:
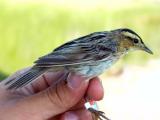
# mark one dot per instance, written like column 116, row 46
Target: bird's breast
column 94, row 68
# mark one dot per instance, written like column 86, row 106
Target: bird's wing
column 76, row 52
column 87, row 49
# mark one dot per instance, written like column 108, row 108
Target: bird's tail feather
column 26, row 78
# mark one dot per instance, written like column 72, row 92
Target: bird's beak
column 146, row 49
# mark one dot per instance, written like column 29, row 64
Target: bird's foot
column 96, row 114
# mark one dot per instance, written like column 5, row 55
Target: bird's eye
column 135, row 40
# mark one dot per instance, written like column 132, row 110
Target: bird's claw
column 98, row 114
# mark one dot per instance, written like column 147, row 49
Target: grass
column 30, row 31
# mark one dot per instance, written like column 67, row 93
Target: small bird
column 88, row 56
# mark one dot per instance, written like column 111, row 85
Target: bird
column 88, row 56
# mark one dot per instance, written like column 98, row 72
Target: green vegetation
column 2, row 75
column 30, row 31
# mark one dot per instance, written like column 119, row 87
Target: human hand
column 42, row 100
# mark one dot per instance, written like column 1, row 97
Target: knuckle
column 56, row 98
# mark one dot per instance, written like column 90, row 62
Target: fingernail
column 70, row 116
column 74, row 81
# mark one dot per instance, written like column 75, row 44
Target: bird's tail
column 25, row 78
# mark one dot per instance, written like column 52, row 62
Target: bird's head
column 128, row 40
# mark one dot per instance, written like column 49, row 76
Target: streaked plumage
column 89, row 55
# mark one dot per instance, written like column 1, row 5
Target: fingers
column 65, row 96
column 95, row 90
column 55, row 100
column 81, row 114
column 47, row 80
column 51, row 100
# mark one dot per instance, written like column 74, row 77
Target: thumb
column 56, row 99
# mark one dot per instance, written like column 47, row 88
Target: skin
column 42, row 100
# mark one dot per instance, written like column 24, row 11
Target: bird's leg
column 93, row 108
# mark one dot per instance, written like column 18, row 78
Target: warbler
column 88, row 56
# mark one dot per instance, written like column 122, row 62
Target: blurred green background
column 31, row 29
